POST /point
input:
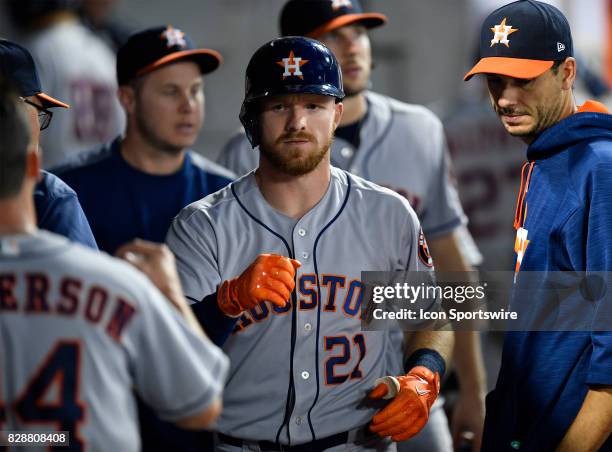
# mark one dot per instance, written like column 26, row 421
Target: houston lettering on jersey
column 70, row 297
column 340, row 294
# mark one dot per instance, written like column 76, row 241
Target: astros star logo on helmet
column 501, row 33
column 292, row 66
column 337, row 4
column 174, row 37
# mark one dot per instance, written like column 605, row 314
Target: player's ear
column 338, row 110
column 127, row 98
column 568, row 73
column 33, row 163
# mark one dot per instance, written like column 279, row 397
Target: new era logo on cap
column 528, row 37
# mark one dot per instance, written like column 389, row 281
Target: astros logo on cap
column 501, row 33
column 174, row 37
column 337, row 4
column 292, row 66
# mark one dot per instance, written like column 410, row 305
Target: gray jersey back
column 403, row 147
column 82, row 330
column 357, row 226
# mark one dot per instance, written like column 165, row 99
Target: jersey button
column 298, row 420
column 307, row 327
column 305, row 254
column 305, row 375
column 346, row 152
column 301, row 232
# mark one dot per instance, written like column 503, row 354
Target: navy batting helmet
column 289, row 65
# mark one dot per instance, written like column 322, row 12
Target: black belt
column 318, row 445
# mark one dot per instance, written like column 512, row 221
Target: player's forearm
column 467, row 353
column 593, row 424
column 468, row 362
column 439, row 341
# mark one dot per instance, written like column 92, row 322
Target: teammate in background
column 75, row 65
column 149, row 175
column 301, row 365
column 80, row 330
column 401, row 147
column 57, row 206
column 99, row 16
column 554, row 390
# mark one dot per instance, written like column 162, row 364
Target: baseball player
column 57, row 206
column 402, row 147
column 554, row 390
column 75, row 65
column 149, row 174
column 79, row 330
column 302, row 367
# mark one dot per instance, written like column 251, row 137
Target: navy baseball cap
column 523, row 40
column 314, row 18
column 17, row 66
column 152, row 48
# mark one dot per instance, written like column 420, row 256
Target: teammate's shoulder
column 52, row 187
column 209, row 167
column 214, row 204
column 238, row 141
column 411, row 111
column 369, row 189
column 85, row 160
column 100, row 268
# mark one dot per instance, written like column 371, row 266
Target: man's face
column 297, row 130
column 527, row 107
column 169, row 106
column 351, row 46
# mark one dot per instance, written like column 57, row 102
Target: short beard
column 149, row 135
column 297, row 167
column 546, row 118
column 354, row 92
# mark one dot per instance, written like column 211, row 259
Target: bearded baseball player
column 400, row 146
column 303, row 371
column 79, row 331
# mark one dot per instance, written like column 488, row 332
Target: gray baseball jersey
column 402, row 147
column 313, row 385
column 78, row 332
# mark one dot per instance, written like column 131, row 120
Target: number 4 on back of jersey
column 59, row 372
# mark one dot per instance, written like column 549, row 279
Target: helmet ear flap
column 249, row 119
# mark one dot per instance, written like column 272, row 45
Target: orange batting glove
column 408, row 412
column 270, row 277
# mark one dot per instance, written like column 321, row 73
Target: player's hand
column 270, row 277
column 408, row 412
column 468, row 419
column 157, row 262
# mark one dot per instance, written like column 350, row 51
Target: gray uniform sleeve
column 178, row 373
column 238, row 156
column 444, row 212
column 191, row 238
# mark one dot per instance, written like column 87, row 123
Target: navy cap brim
column 511, row 67
column 368, row 20
column 207, row 59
